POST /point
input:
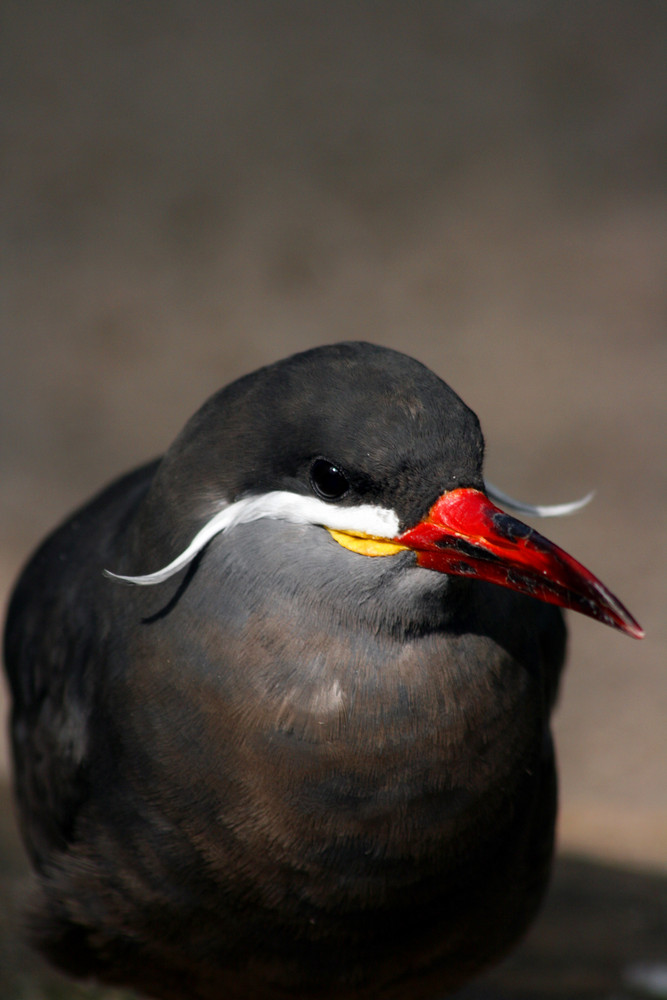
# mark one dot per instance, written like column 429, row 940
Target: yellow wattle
column 366, row 545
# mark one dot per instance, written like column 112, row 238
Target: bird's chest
column 345, row 759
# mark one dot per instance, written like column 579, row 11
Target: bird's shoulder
column 54, row 651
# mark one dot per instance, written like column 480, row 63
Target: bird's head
column 377, row 450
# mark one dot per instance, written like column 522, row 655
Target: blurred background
column 193, row 189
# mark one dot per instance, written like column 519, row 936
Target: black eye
column 329, row 482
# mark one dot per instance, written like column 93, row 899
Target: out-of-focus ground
column 191, row 190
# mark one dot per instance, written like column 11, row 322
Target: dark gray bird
column 308, row 753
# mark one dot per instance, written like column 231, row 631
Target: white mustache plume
column 301, row 510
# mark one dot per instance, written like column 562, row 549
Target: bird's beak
column 466, row 535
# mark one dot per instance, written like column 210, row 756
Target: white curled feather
column 369, row 519
column 279, row 505
column 539, row 510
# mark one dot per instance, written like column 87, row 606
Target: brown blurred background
column 192, row 189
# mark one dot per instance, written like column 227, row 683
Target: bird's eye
column 329, row 482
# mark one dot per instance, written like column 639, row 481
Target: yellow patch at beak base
column 366, row 545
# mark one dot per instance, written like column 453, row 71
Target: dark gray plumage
column 291, row 769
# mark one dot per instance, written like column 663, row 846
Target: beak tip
column 636, row 631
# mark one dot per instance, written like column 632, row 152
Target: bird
column 281, row 699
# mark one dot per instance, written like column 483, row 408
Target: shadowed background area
column 191, row 190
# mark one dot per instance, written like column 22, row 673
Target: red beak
column 465, row 534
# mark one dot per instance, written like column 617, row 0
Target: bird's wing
column 54, row 649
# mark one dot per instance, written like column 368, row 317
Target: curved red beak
column 465, row 534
